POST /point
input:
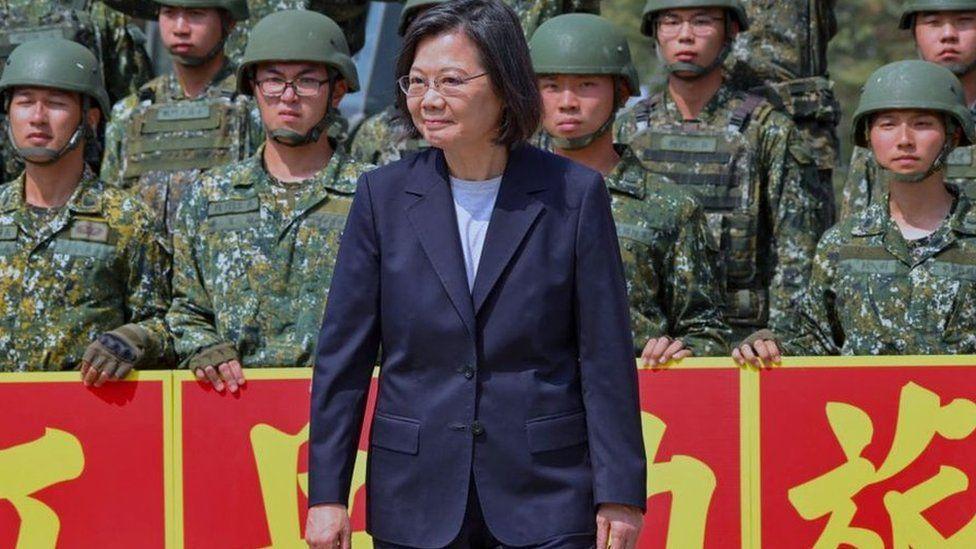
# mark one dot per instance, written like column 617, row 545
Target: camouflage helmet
column 653, row 7
column 913, row 7
column 582, row 43
column 59, row 64
column 411, row 9
column 297, row 35
column 913, row 84
column 149, row 9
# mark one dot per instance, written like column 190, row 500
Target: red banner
column 84, row 467
column 868, row 457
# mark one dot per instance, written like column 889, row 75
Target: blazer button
column 477, row 429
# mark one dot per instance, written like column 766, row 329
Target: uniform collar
column 707, row 116
column 168, row 88
column 87, row 198
column 327, row 177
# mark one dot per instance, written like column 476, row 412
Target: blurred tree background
column 868, row 37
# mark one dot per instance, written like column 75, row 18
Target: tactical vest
column 68, row 19
column 169, row 135
column 717, row 166
column 961, row 170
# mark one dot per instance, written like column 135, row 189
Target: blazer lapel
column 433, row 218
column 515, row 212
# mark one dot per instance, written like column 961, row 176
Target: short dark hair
column 495, row 30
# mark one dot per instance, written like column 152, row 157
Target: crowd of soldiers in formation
column 207, row 237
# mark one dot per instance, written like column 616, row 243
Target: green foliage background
column 868, row 37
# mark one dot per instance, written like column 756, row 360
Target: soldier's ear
column 339, row 89
column 93, row 117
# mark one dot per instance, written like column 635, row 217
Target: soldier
column 82, row 276
column 585, row 74
column 162, row 138
column 898, row 277
column 736, row 153
column 118, row 45
column 255, row 241
column 785, row 49
column 945, row 34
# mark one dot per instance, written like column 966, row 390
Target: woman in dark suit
column 489, row 272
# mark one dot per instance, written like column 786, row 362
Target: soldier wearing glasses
column 742, row 159
column 255, row 241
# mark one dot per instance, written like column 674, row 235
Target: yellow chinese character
column 276, row 455
column 920, row 418
column 690, row 482
column 27, row 468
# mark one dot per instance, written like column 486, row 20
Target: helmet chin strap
column 43, row 156
column 291, row 138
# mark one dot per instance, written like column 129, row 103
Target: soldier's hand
column 328, row 527
column 761, row 353
column 113, row 355
column 220, row 366
column 659, row 351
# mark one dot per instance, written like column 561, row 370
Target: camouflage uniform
column 744, row 162
column 254, row 257
column 664, row 245
column 349, row 14
column 785, row 49
column 70, row 274
column 159, row 142
column 106, row 32
column 380, row 141
column 874, row 293
column 866, row 184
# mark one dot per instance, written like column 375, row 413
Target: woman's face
column 463, row 113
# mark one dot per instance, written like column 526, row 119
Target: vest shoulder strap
column 743, row 113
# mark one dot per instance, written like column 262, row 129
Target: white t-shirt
column 473, row 203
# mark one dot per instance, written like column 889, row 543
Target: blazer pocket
column 556, row 432
column 396, row 433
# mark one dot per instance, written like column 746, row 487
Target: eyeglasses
column 304, row 86
column 701, row 25
column 448, row 85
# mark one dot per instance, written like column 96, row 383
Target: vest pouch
column 189, row 135
column 961, row 164
column 747, row 307
column 739, row 243
column 74, row 26
column 809, row 99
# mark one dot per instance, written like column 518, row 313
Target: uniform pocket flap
column 396, row 433
column 553, row 433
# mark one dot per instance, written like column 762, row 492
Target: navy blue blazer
column 528, row 382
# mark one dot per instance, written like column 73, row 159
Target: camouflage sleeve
column 124, row 58
column 367, row 143
column 816, row 329
column 859, row 183
column 149, row 293
column 625, row 127
column 691, row 289
column 794, row 209
column 111, row 170
column 191, row 317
